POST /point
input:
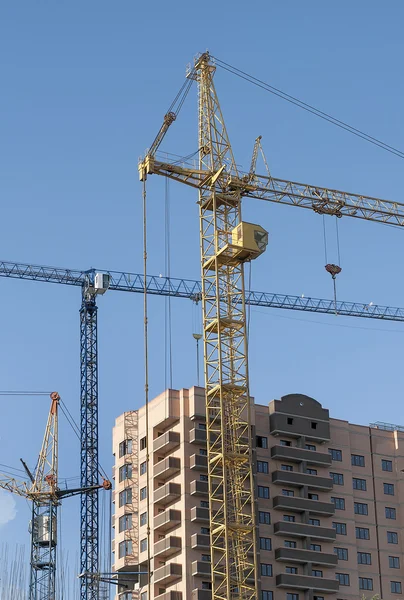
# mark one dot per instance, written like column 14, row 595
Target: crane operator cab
column 249, row 240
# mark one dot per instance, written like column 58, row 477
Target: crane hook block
column 251, row 239
column 333, row 270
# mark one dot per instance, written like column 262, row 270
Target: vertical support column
column 42, row 585
column 89, row 566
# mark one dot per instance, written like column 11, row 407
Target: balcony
column 200, row 568
column 300, row 556
column 200, row 541
column 167, row 442
column 168, row 574
column 299, row 505
column 296, row 479
column 304, row 530
column 298, row 455
column 197, row 436
column 305, row 582
column 169, row 519
column 169, row 596
column 167, row 468
column 167, row 547
column 198, row 462
column 200, row 515
column 199, row 594
column 167, row 494
column 199, row 488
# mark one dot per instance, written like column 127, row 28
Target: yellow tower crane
column 226, row 243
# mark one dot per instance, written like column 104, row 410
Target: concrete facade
column 328, row 497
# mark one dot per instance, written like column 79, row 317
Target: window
column 262, row 466
column 286, row 468
column 203, row 477
column 313, row 425
column 143, row 443
column 342, row 553
column 290, row 544
column 143, row 519
column 202, row 426
column 390, row 513
column 292, row 596
column 360, row 508
column 357, row 460
column 266, row 595
column 338, row 502
column 340, row 528
column 288, row 493
column 205, row 530
column 125, row 447
column 315, row 547
column 289, row 420
column 394, row 562
column 143, row 493
column 310, row 447
column 205, row 557
column 317, row 573
column 387, row 465
column 126, row 596
column 315, row 522
column 264, row 517
column 143, row 596
column 318, row 597
column 311, row 471
column 125, row 522
column 362, row 533
column 388, row 489
column 291, row 570
column 312, row 496
column 125, row 497
column 289, row 518
column 335, row 454
column 203, row 452
column 143, row 545
column 364, row 558
column 262, row 442
column 395, row 587
column 206, row 585
column 365, row 583
column 337, row 478
column 125, row 548
column 204, row 503
column 266, row 570
column 125, row 472
column 265, row 543
column 143, row 467
column 343, row 578
column 359, row 484
column 392, row 537
column 285, row 443
column 263, row 491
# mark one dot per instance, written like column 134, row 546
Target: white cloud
column 8, row 510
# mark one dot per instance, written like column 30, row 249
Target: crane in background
column 43, row 491
column 226, row 243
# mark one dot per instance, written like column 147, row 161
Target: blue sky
column 84, row 90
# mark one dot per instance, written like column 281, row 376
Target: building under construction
column 328, row 502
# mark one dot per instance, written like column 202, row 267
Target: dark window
column 125, row 447
column 388, row 489
column 265, row 543
column 205, row 557
column 337, row 478
column 394, row 562
column 312, row 496
column 285, row 443
column 291, row 570
column 340, row 528
column 143, row 467
column 288, row 493
column 125, row 472
column 203, row 452
column 205, row 530
column 143, row 493
column 290, row 420
column 338, row 502
column 390, row 513
column 125, row 522
column 264, row 517
column 311, row 471
column 392, row 537
column 267, row 595
column 343, row 578
column 387, row 465
column 206, row 585
column 262, row 442
column 204, row 503
column 318, row 597
column 292, row 596
column 342, row 553
column 360, row 508
column 359, row 484
column 317, row 573
column 289, row 518
column 313, row 425
column 310, row 447
column 290, row 544
column 203, row 477
column 335, row 454
column 362, row 533
column 395, row 587
column 364, row 558
column 263, row 491
column 125, row 497
column 202, row 426
column 125, row 548
column 286, row 468
column 315, row 522
column 357, row 460
column 262, row 466
column 143, row 519
column 315, row 547
column 266, row 570
column 365, row 583
column 143, row 443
